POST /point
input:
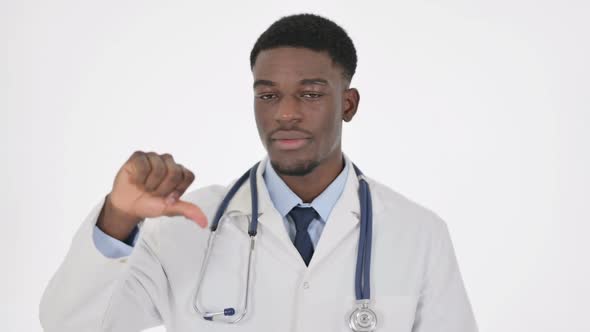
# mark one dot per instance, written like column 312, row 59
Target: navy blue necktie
column 302, row 216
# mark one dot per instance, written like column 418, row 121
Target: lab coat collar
column 344, row 217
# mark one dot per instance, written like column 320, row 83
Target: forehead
column 285, row 64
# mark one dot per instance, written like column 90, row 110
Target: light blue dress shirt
column 284, row 200
column 282, row 197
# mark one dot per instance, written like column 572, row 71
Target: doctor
column 138, row 260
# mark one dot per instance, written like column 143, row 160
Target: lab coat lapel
column 343, row 219
column 270, row 221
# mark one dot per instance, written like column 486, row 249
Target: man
column 124, row 274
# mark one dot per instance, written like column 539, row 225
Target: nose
column 288, row 110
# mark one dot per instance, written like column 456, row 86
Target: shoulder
column 399, row 209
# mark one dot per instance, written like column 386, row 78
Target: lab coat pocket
column 395, row 313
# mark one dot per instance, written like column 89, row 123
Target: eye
column 311, row 95
column 267, row 96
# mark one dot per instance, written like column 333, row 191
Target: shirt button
column 306, row 285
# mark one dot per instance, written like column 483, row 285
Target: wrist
column 115, row 222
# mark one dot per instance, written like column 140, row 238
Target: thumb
column 188, row 210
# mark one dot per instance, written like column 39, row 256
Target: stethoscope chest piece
column 363, row 319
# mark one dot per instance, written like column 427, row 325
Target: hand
column 147, row 186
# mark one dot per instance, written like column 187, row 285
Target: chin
column 294, row 167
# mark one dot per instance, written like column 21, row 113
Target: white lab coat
column 415, row 280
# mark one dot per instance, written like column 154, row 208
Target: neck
column 311, row 185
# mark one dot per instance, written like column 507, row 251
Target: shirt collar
column 284, row 199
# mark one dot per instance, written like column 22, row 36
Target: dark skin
column 301, row 98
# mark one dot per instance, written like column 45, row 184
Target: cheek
column 335, row 116
column 260, row 122
column 329, row 127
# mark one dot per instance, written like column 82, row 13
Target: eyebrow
column 308, row 81
column 305, row 81
column 263, row 82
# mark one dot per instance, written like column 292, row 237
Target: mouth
column 289, row 140
column 290, row 144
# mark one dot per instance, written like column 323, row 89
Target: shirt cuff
column 111, row 247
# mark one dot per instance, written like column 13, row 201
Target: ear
column 350, row 103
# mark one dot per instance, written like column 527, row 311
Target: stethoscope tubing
column 363, row 263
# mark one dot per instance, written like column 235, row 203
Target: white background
column 477, row 110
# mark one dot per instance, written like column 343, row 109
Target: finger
column 174, row 176
column 188, row 210
column 187, row 180
column 139, row 168
column 158, row 172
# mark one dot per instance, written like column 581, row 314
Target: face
column 300, row 100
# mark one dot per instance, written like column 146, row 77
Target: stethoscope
column 362, row 318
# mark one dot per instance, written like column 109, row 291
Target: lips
column 288, row 135
column 289, row 140
column 290, row 144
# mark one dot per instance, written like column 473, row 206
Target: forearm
column 89, row 288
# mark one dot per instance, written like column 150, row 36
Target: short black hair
column 309, row 31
